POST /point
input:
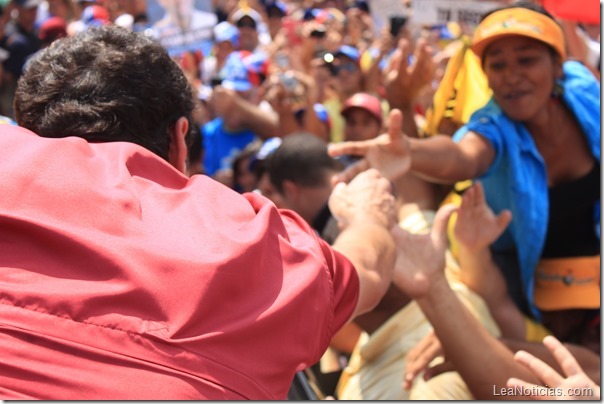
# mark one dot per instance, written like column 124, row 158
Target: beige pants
column 376, row 367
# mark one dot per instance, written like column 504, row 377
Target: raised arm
column 366, row 212
column 482, row 360
column 476, row 228
column 437, row 159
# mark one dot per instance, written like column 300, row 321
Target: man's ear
column 177, row 156
column 290, row 190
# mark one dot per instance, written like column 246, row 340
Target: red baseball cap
column 52, row 29
column 364, row 101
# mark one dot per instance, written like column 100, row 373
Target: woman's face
column 521, row 72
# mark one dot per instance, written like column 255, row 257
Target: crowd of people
column 206, row 204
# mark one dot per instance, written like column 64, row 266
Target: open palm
column 421, row 258
column 388, row 153
column 477, row 227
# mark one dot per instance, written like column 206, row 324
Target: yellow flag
column 462, row 90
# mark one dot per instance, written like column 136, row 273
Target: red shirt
column 120, row 278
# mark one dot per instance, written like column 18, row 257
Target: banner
column 465, row 12
column 182, row 25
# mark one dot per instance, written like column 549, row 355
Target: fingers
column 565, row 359
column 420, row 357
column 395, row 127
column 503, row 220
column 350, row 172
column 542, row 370
column 403, row 48
column 439, row 227
column 359, row 148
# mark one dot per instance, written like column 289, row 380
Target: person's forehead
column 358, row 113
column 247, row 19
column 516, row 43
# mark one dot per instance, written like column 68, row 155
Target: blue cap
column 226, row 32
column 311, row 14
column 235, row 73
column 279, row 5
column 322, row 114
column 269, row 146
column 350, row 52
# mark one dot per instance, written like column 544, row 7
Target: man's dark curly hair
column 104, row 85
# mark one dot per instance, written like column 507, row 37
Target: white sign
column 382, row 10
column 465, row 12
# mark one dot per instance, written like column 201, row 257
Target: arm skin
column 370, row 248
column 476, row 228
column 481, row 359
column 366, row 211
column 264, row 124
column 395, row 154
column 470, row 158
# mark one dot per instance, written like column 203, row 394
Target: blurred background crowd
column 263, row 68
column 275, row 81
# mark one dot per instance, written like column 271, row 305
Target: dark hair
column 104, row 85
column 301, row 158
column 529, row 5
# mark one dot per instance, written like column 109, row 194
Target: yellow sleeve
column 535, row 332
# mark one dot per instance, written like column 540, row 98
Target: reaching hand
column 419, row 358
column 403, row 82
column 420, row 259
column 477, row 226
column 388, row 153
column 576, row 380
column 368, row 197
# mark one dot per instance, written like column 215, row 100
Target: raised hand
column 388, row 153
column 477, row 227
column 576, row 381
column 420, row 259
column 404, row 82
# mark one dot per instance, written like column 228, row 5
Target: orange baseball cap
column 518, row 21
column 568, row 283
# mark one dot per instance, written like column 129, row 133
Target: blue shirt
column 221, row 147
column 517, row 178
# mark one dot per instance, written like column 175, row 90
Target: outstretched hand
column 576, row 381
column 388, row 153
column 477, row 226
column 420, row 259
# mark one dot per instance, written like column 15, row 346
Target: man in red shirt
column 121, row 278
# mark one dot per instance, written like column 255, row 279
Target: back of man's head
column 302, row 158
column 104, row 85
